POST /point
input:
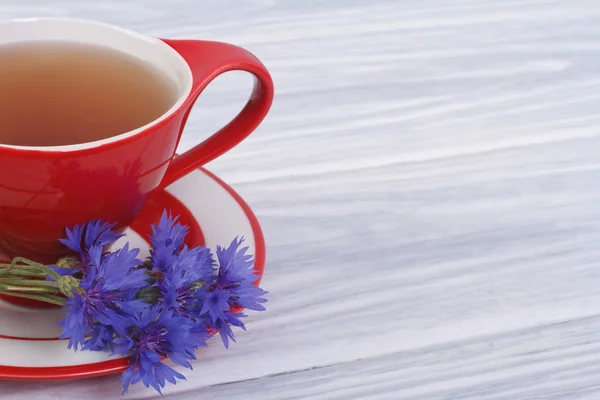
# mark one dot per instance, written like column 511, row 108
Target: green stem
column 17, row 266
column 16, row 274
column 28, row 289
column 21, row 272
column 28, row 282
column 10, row 266
column 40, row 267
column 48, row 298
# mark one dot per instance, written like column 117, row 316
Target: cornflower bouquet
column 165, row 306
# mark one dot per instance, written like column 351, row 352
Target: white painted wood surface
column 429, row 185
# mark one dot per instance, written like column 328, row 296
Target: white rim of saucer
column 222, row 215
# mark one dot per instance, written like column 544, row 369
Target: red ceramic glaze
column 43, row 190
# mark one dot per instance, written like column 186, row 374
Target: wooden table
column 429, row 185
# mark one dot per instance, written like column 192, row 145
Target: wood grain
column 428, row 183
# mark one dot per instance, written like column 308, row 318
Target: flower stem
column 48, row 298
column 14, row 282
column 28, row 282
column 21, row 272
column 40, row 267
column 29, row 289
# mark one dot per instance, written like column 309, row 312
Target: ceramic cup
column 45, row 189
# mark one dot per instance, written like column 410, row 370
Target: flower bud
column 70, row 262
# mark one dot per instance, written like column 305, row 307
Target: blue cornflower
column 234, row 264
column 236, row 274
column 74, row 325
column 223, row 326
column 178, row 269
column 167, row 240
column 192, row 265
column 107, row 297
column 215, row 303
column 181, row 280
column 81, row 238
column 168, row 232
column 94, row 233
column 233, row 287
column 74, row 239
column 162, row 308
column 153, row 335
column 98, row 337
column 98, row 233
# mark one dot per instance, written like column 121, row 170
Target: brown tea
column 59, row 93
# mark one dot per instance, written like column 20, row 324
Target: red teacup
column 45, row 189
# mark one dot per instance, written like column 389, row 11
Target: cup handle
column 207, row 60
